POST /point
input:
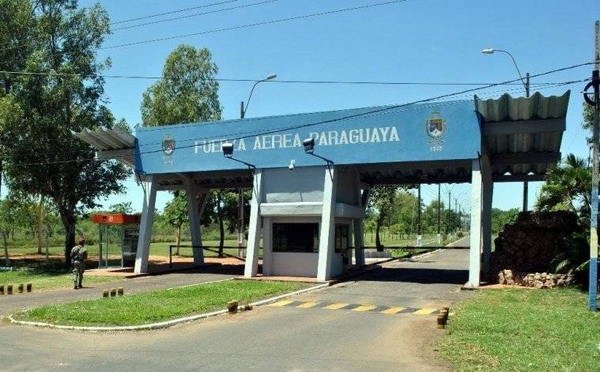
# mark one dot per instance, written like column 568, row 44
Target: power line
column 375, row 111
column 195, row 15
column 281, row 20
column 171, row 12
column 368, row 113
column 516, row 82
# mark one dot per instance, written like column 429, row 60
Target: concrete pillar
column 488, row 192
column 254, row 226
column 475, row 235
column 327, row 231
column 143, row 248
column 191, row 193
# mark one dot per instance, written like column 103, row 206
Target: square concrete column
column 254, row 227
column 147, row 219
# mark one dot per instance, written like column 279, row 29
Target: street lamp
column 524, row 81
column 240, row 223
column 526, row 85
column 244, row 109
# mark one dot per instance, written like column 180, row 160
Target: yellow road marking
column 365, row 308
column 424, row 311
column 393, row 310
column 335, row 306
column 308, row 305
column 281, row 303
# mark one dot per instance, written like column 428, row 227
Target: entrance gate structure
column 310, row 174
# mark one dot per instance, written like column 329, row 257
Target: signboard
column 401, row 133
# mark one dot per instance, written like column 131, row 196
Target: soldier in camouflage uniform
column 78, row 257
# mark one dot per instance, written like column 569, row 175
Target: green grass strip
column 158, row 306
column 524, row 330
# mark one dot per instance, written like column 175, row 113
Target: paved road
column 136, row 284
column 272, row 338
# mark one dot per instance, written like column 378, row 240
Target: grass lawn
column 523, row 330
column 158, row 306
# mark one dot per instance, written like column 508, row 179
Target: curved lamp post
column 526, row 85
column 240, row 224
column 244, row 109
column 524, row 81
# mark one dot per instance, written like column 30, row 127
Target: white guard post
column 475, row 239
column 143, row 248
column 251, row 268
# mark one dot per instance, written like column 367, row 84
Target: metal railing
column 206, row 248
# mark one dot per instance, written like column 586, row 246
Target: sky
column 332, row 54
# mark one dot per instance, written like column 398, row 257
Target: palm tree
column 568, row 187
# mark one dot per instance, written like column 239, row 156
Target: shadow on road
column 417, row 275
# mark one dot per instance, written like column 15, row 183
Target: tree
column 58, row 90
column 405, row 209
column 381, row 204
column 123, row 207
column 176, row 214
column 187, row 92
column 568, row 187
column 7, row 215
column 502, row 218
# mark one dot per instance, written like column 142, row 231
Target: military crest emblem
column 435, row 126
column 168, row 147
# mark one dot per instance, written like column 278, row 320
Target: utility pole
column 525, row 183
column 419, row 236
column 449, row 211
column 595, row 83
column 439, row 237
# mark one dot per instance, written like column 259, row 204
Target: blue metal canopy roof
column 400, row 144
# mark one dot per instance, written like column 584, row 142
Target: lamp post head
column 271, row 76
column 309, row 145
column 488, row 51
column 227, row 148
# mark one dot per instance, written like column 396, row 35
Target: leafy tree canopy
column 56, row 90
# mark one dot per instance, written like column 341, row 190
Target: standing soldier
column 78, row 257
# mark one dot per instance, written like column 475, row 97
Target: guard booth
column 118, row 238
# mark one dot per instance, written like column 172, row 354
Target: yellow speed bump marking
column 393, row 310
column 335, row 306
column 424, row 311
column 365, row 308
column 307, row 305
column 281, row 303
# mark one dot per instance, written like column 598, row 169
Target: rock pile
column 524, row 250
column 534, row 280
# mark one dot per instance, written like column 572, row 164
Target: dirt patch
column 156, row 264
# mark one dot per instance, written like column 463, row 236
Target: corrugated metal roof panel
column 524, row 132
column 107, row 139
column 507, row 108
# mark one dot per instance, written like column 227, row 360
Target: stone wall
column 525, row 249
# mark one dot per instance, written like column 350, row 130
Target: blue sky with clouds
column 432, row 47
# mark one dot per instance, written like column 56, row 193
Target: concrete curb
column 165, row 324
column 170, row 323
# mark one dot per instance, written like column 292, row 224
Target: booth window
column 296, row 237
column 341, row 237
